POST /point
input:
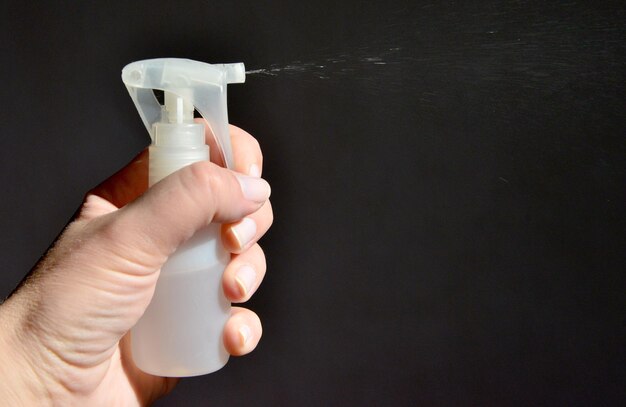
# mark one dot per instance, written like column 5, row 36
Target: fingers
column 244, row 274
column 240, row 235
column 247, row 152
column 153, row 226
column 242, row 332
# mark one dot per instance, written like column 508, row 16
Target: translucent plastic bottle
column 180, row 334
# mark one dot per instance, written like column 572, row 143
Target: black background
column 449, row 225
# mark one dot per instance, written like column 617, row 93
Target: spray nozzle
column 187, row 84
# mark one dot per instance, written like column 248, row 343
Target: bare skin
column 64, row 331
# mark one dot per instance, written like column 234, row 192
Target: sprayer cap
column 200, row 84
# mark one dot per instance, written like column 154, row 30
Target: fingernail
column 244, row 231
column 254, row 171
column 244, row 334
column 245, row 278
column 254, row 188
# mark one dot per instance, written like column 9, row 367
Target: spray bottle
column 180, row 334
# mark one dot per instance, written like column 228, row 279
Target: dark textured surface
column 449, row 224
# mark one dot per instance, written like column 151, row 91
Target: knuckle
column 256, row 146
column 200, row 174
column 206, row 179
column 261, row 259
column 270, row 214
column 258, row 150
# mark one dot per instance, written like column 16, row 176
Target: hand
column 64, row 332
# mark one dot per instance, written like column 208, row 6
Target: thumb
column 148, row 230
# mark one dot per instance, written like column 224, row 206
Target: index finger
column 246, row 150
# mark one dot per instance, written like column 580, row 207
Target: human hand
column 64, row 331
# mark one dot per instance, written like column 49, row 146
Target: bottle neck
column 178, row 141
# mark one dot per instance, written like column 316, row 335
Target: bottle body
column 180, row 333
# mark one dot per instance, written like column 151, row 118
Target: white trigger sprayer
column 180, row 334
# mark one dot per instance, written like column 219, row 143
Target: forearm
column 21, row 384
